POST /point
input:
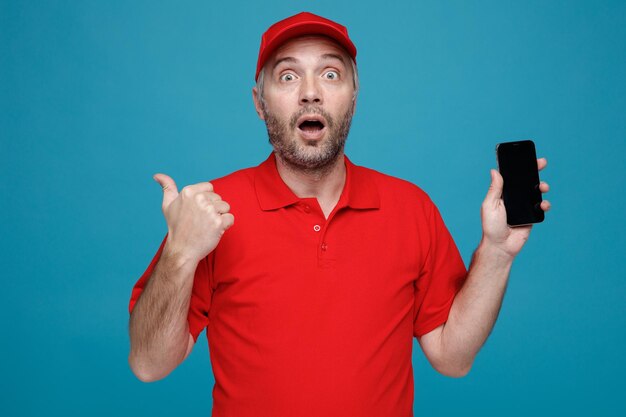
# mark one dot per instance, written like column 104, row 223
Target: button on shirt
column 314, row 316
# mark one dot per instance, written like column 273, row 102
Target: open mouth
column 312, row 128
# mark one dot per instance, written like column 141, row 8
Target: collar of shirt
column 359, row 191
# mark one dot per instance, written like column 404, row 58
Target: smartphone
column 517, row 163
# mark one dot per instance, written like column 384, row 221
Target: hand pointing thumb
column 170, row 192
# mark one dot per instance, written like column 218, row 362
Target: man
column 312, row 296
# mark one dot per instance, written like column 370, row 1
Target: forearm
column 159, row 332
column 475, row 307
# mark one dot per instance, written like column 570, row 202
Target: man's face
column 308, row 101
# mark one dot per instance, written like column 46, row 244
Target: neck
column 325, row 183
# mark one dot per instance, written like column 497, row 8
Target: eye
column 287, row 77
column 331, row 75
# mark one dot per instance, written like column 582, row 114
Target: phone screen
column 517, row 163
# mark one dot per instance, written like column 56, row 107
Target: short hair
column 355, row 82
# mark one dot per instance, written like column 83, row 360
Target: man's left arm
column 452, row 347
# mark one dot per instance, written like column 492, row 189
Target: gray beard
column 320, row 156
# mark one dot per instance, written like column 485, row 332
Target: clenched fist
column 196, row 218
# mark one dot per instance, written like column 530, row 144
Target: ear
column 353, row 105
column 257, row 102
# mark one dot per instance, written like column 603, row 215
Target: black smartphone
column 517, row 163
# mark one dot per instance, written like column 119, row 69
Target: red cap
column 301, row 24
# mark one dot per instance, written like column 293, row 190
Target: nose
column 310, row 92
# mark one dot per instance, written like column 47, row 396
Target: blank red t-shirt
column 308, row 316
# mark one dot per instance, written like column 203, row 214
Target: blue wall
column 98, row 96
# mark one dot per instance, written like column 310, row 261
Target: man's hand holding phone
column 497, row 233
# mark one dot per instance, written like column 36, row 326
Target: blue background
column 96, row 97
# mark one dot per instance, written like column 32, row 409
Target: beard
column 312, row 156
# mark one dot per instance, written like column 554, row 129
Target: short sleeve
column 441, row 277
column 198, row 316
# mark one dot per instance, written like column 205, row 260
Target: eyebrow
column 323, row 57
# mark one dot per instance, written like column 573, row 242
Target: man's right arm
column 159, row 331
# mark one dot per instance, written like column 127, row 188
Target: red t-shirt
column 308, row 316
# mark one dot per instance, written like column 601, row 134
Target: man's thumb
column 170, row 192
column 495, row 188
